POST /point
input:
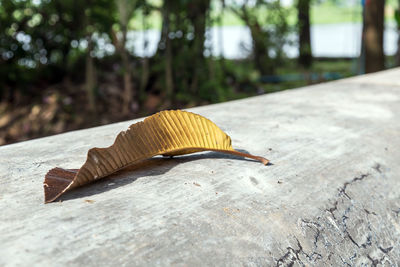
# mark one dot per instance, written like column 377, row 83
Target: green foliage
column 46, row 42
column 42, row 39
column 397, row 15
column 267, row 21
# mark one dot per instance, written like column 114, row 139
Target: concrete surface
column 331, row 196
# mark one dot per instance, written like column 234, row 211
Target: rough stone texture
column 331, row 196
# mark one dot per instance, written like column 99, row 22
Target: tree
column 43, row 40
column 269, row 29
column 125, row 12
column 397, row 18
column 181, row 48
column 96, row 20
column 305, row 52
column 373, row 27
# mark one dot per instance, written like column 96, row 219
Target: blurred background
column 71, row 64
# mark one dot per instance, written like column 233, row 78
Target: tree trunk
column 198, row 16
column 398, row 50
column 261, row 56
column 305, row 52
column 127, row 73
column 182, row 57
column 373, row 35
column 165, row 11
column 125, row 9
column 128, row 90
column 169, row 78
column 165, row 48
column 397, row 18
column 90, row 78
column 144, row 79
column 220, row 31
column 260, row 50
column 90, row 82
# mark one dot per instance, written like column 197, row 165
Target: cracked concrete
column 362, row 234
column 330, row 197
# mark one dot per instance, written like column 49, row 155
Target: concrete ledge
column 331, row 196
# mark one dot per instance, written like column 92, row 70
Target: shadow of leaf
column 150, row 167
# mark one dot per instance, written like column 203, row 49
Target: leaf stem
column 241, row 154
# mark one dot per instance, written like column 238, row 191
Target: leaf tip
column 264, row 161
column 56, row 182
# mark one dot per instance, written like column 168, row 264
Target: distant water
column 327, row 40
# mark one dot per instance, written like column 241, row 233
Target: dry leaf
column 167, row 133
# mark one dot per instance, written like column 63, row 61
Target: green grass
column 343, row 67
column 248, row 77
column 327, row 12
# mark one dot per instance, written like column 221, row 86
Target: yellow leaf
column 168, row 133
